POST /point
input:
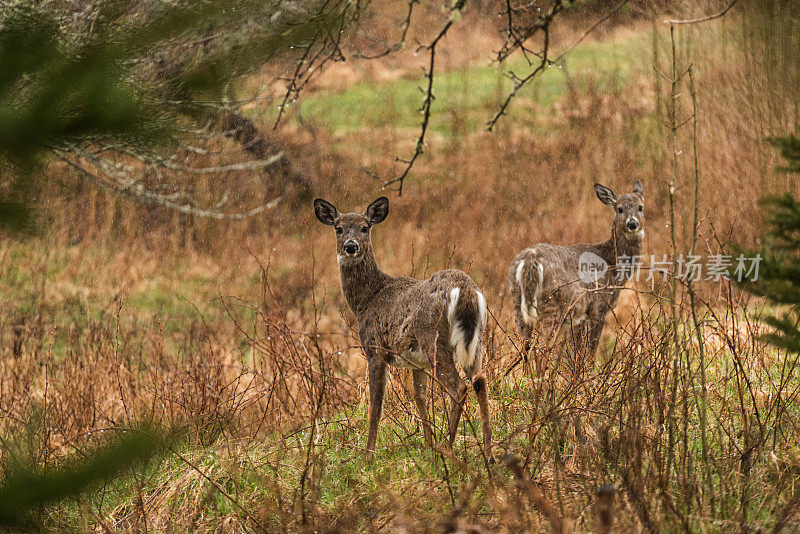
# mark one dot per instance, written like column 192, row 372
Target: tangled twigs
column 109, row 177
column 535, row 495
column 401, row 42
column 516, row 41
column 427, row 102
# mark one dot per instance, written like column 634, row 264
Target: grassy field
column 466, row 98
column 235, row 335
column 244, row 457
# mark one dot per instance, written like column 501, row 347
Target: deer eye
column 619, row 210
column 640, row 209
column 338, row 230
column 364, row 229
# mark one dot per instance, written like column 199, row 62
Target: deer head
column 628, row 209
column 352, row 229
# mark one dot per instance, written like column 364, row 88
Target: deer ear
column 605, row 195
column 377, row 211
column 638, row 188
column 325, row 212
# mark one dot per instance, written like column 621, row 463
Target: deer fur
column 546, row 286
column 433, row 326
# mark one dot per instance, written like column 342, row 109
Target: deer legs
column 420, row 397
column 595, row 329
column 457, row 398
column 377, row 388
column 452, row 382
column 457, row 391
column 479, row 385
column 525, row 331
column 457, row 406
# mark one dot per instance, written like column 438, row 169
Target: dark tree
column 779, row 272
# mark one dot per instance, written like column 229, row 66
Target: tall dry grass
column 259, row 369
column 272, row 430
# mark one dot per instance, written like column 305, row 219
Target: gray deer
column 435, row 324
column 577, row 285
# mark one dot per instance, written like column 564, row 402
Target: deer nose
column 633, row 224
column 351, row 247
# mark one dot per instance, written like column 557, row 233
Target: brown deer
column 554, row 285
column 434, row 325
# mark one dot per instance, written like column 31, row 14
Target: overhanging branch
column 114, row 182
column 427, row 102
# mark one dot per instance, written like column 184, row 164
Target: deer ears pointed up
column 638, row 188
column 377, row 211
column 605, row 195
column 325, row 212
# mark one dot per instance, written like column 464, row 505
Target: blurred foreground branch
column 131, row 77
column 27, row 489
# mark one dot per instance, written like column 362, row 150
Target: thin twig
column 427, row 102
column 401, row 42
column 534, row 494
column 702, row 19
column 217, row 487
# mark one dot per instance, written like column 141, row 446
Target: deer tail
column 528, row 276
column 466, row 313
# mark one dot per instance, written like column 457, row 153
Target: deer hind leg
column 377, row 388
column 455, row 387
column 479, row 385
column 525, row 331
column 420, row 398
column 457, row 397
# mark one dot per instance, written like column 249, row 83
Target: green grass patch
column 466, row 98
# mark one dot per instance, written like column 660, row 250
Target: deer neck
column 361, row 279
column 620, row 245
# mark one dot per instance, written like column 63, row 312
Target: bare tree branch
column 401, row 43
column 516, row 41
column 248, row 166
column 119, row 184
column 427, row 102
column 702, row 19
column 591, row 29
column 323, row 48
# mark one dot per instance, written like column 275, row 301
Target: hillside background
column 113, row 312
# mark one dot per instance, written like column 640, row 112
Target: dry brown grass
column 237, row 334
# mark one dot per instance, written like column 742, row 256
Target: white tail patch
column 529, row 311
column 522, row 307
column 465, row 349
column 541, row 279
column 534, row 312
column 451, row 309
column 479, row 327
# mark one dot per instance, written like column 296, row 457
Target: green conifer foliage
column 779, row 273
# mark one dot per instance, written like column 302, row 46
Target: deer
column 577, row 285
column 433, row 326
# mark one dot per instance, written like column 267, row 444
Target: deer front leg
column 420, row 398
column 593, row 340
column 377, row 388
